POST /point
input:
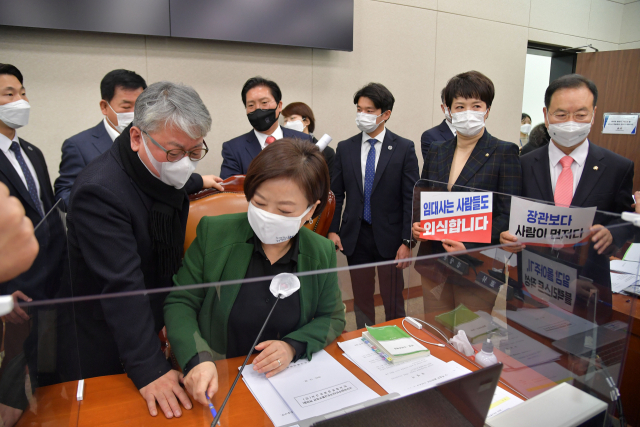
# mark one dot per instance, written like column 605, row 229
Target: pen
column 211, row 408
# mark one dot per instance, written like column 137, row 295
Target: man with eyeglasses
column 572, row 171
column 126, row 226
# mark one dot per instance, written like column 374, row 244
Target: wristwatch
column 408, row 243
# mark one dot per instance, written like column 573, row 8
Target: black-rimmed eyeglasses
column 176, row 154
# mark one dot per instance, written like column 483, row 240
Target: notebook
column 393, row 343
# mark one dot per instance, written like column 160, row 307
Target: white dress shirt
column 451, row 128
column 5, row 146
column 366, row 146
column 111, row 131
column 262, row 137
column 579, row 158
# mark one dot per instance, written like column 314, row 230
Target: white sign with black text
column 549, row 280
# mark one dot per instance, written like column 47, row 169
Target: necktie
column 564, row 186
column 370, row 173
column 31, row 183
column 270, row 139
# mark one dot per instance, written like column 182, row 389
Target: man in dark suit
column 377, row 169
column 119, row 90
column 262, row 100
column 443, row 132
column 127, row 218
column 572, row 171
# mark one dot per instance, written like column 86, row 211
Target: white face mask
column 271, row 228
column 124, row 119
column 295, row 125
column 447, row 114
column 525, row 128
column 367, row 122
column 15, row 114
column 569, row 134
column 468, row 122
column 175, row 174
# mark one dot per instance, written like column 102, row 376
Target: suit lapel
column 542, row 174
column 308, row 284
column 444, row 160
column 479, row 156
column 253, row 145
column 9, row 171
column 41, row 173
column 592, row 172
column 355, row 149
column 388, row 148
column 102, row 141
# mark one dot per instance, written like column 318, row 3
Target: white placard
column 533, row 222
column 549, row 280
column 620, row 124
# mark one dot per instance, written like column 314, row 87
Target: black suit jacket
column 37, row 282
column 436, row 133
column 110, row 251
column 238, row 152
column 391, row 198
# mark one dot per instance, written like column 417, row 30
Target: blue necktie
column 369, row 174
column 31, row 183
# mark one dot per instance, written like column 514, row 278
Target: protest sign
column 549, row 280
column 533, row 222
column 459, row 216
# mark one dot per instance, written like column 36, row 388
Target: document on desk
column 267, row 396
column 405, row 377
column 620, row 282
column 629, row 267
column 550, row 322
column 319, row 386
column 633, row 253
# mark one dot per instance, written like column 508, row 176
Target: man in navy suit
column 262, row 100
column 573, row 171
column 443, row 132
column 377, row 169
column 119, row 90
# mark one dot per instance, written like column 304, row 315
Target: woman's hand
column 452, row 245
column 202, row 378
column 416, row 230
column 275, row 357
column 507, row 238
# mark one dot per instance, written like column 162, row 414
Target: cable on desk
column 426, row 342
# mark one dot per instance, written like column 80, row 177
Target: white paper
column 550, row 322
column 549, row 280
column 633, row 253
column 629, row 267
column 620, row 124
column 276, row 409
column 533, row 222
column 402, row 346
column 404, row 377
column 619, row 282
column 502, row 256
column 319, row 386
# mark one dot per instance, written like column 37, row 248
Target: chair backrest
column 211, row 202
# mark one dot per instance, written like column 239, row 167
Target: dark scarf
column 165, row 227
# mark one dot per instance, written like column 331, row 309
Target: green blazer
column 197, row 319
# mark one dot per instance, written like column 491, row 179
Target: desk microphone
column 282, row 286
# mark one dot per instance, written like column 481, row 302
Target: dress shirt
column 5, row 146
column 262, row 137
column 365, row 150
column 111, row 131
column 579, row 156
column 451, row 128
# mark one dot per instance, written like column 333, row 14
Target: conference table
column 114, row 400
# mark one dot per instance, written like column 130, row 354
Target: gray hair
column 165, row 104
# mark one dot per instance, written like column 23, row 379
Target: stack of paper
column 393, row 343
column 475, row 327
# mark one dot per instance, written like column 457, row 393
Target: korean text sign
column 533, row 222
column 459, row 216
column 549, row 280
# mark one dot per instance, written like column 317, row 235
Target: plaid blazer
column 493, row 165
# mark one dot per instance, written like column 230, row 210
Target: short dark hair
column 261, row 81
column 11, row 70
column 539, row 136
column 570, row 81
column 442, row 95
column 300, row 161
column 120, row 78
column 525, row 116
column 472, row 84
column 302, row 110
column 378, row 94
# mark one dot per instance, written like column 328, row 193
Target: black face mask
column 262, row 120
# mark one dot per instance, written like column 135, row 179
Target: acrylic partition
column 546, row 306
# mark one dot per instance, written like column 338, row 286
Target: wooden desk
column 114, row 400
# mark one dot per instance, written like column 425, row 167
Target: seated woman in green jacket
column 286, row 185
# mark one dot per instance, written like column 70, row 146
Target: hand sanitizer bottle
column 486, row 357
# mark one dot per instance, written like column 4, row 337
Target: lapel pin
column 595, row 168
column 29, row 147
column 486, row 155
column 389, row 148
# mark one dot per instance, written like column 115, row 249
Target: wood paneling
column 617, row 76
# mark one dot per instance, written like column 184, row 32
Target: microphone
column 282, row 286
column 323, row 142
